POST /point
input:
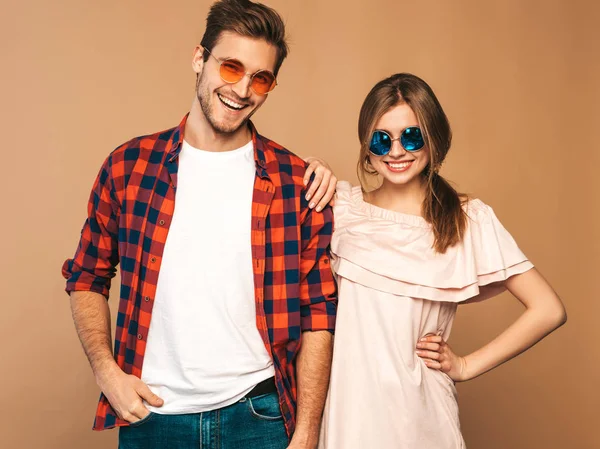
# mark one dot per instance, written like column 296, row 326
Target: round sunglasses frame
column 221, row 61
column 397, row 138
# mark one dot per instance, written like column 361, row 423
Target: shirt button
column 153, row 259
column 161, row 222
column 140, row 336
column 146, row 299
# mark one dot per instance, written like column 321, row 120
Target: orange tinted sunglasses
column 232, row 71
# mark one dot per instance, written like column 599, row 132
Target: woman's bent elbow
column 558, row 317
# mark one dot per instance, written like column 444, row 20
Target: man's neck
column 200, row 134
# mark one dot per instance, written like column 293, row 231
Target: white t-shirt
column 204, row 351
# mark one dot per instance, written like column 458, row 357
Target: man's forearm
column 312, row 372
column 91, row 315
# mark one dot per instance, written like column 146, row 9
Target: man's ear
column 198, row 59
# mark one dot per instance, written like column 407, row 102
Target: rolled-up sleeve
column 95, row 261
column 318, row 290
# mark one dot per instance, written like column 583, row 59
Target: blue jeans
column 249, row 423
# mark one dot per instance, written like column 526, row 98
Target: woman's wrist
column 467, row 368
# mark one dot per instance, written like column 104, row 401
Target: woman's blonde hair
column 442, row 206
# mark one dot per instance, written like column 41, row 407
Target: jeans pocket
column 265, row 407
column 142, row 421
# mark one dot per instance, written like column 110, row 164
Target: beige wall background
column 519, row 80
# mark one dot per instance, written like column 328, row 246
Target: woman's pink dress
column 394, row 289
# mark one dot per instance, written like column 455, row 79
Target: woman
column 406, row 254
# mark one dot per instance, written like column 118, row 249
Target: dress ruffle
column 393, row 252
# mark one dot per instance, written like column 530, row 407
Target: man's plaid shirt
column 129, row 212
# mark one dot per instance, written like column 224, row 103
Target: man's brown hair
column 248, row 19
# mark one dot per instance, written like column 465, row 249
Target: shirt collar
column 176, row 140
column 259, row 150
column 258, row 141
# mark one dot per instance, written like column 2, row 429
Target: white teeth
column 230, row 103
column 399, row 166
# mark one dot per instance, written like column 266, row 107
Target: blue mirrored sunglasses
column 410, row 138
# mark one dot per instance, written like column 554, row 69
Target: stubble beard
column 205, row 100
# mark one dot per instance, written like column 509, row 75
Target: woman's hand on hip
column 438, row 355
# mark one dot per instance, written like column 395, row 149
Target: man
column 227, row 307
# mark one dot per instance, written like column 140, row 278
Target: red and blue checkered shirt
column 129, row 212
